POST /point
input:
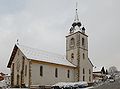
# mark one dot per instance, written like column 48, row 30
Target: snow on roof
column 44, row 56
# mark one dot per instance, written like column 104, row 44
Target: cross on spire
column 17, row 41
column 76, row 14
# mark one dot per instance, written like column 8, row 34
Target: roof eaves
column 54, row 63
column 12, row 55
column 90, row 62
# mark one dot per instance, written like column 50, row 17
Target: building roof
column 90, row 62
column 44, row 56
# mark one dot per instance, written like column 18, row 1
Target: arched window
column 25, row 70
column 68, row 74
column 83, row 78
column 83, row 56
column 89, row 78
column 72, row 56
column 72, row 42
column 83, row 41
column 41, row 70
column 83, row 71
column 89, row 71
column 56, row 72
column 17, row 79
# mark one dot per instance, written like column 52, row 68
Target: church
column 30, row 66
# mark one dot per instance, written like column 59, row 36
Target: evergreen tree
column 106, row 71
column 103, row 70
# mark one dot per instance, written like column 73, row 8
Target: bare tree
column 113, row 70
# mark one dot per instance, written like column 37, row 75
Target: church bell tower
column 77, row 49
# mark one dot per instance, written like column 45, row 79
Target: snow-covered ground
column 73, row 84
column 86, row 88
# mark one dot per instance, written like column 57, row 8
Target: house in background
column 31, row 66
column 98, row 76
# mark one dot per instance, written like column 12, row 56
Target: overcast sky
column 43, row 24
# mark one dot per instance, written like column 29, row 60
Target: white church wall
column 48, row 77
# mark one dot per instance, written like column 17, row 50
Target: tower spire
column 76, row 13
column 76, row 21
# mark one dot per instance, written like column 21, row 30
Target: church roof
column 44, row 56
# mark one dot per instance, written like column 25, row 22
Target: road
column 110, row 85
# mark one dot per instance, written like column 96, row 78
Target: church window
column 25, row 70
column 17, row 79
column 83, row 56
column 72, row 42
column 83, row 78
column 56, row 72
column 89, row 71
column 89, row 78
column 83, row 71
column 83, row 41
column 41, row 70
column 72, row 56
column 68, row 74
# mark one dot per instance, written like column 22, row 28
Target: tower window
column 56, row 72
column 68, row 74
column 72, row 56
column 83, row 41
column 72, row 42
column 83, row 71
column 89, row 71
column 83, row 78
column 89, row 78
column 83, row 56
column 41, row 70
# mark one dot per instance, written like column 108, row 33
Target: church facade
column 31, row 66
